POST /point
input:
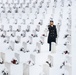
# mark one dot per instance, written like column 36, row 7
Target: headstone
column 18, row 39
column 19, row 28
column 10, row 28
column 32, row 57
column 23, row 33
column 11, row 46
column 25, row 69
column 38, row 28
column 38, row 47
column 7, row 39
column 53, row 47
column 8, row 67
column 69, row 47
column 1, row 1
column 2, row 28
column 42, row 40
column 4, row 33
column 50, row 59
column 16, row 1
column 69, row 59
column 69, row 69
column 30, row 40
column 3, row 56
column 13, row 33
column 34, row 33
column 18, row 57
column 69, row 38
column 45, row 69
column 45, row 32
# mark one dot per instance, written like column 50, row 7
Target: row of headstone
column 11, row 28
column 7, row 69
column 15, row 61
column 26, row 67
column 67, row 63
column 21, row 7
column 69, row 3
column 46, row 66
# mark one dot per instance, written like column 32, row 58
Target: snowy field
column 23, row 37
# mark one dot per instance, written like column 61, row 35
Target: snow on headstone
column 3, row 56
column 69, row 31
column 4, row 33
column 10, row 28
column 11, row 46
column 25, row 69
column 17, row 39
column 45, row 32
column 42, row 40
column 1, row 1
column 23, row 33
column 69, row 47
column 13, row 33
column 45, row 69
column 34, row 34
column 28, row 27
column 69, row 38
column 69, row 59
column 58, row 28
column 30, row 40
column 8, row 67
column 38, row 47
column 69, row 69
column 7, row 39
column 53, row 47
column 2, row 28
column 24, row 46
column 38, row 28
column 18, row 57
column 32, row 58
column 50, row 59
column 19, row 28
column 16, row 1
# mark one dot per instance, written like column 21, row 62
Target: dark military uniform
column 52, row 35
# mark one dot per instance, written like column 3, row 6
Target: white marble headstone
column 18, row 57
column 25, row 69
column 45, row 69
column 8, row 67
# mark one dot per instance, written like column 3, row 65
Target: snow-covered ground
column 33, row 59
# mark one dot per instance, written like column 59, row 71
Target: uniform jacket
column 52, row 34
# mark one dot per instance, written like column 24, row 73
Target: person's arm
column 48, row 27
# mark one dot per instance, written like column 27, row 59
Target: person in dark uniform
column 52, row 34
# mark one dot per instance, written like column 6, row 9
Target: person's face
column 51, row 23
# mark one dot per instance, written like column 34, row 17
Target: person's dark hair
column 51, row 21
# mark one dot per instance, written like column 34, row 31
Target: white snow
column 32, row 63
